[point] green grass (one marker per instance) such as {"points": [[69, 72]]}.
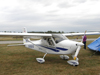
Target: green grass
{"points": [[22, 61]]}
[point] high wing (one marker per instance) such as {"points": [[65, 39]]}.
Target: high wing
{"points": [[26, 35], [77, 34], [32, 35]]}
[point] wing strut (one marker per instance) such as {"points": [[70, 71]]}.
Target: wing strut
{"points": [[31, 41]]}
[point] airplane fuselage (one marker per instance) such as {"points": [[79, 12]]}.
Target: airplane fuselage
{"points": [[63, 47]]}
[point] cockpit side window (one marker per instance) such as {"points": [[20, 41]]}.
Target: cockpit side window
{"points": [[58, 37]]}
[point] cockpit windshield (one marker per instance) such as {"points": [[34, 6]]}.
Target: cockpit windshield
{"points": [[58, 37]]}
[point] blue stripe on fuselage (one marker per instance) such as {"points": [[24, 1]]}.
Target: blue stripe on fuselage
{"points": [[56, 49], [63, 49]]}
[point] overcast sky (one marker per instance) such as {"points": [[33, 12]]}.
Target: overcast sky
{"points": [[55, 15]]}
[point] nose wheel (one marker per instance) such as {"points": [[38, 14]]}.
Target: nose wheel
{"points": [[73, 62]]}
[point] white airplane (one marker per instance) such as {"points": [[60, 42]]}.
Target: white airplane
{"points": [[52, 44]]}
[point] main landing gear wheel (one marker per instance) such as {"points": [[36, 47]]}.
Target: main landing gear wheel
{"points": [[41, 60]]}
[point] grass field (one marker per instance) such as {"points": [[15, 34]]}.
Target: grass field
{"points": [[19, 60]]}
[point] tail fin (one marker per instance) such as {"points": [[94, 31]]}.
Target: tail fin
{"points": [[25, 39], [24, 30]]}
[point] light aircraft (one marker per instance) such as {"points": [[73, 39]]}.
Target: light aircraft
{"points": [[52, 44]]}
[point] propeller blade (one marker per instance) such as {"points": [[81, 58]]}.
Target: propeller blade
{"points": [[85, 32]]}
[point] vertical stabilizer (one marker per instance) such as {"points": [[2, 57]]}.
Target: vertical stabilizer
{"points": [[25, 40], [24, 30]]}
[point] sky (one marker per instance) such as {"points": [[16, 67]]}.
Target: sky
{"points": [[45, 15]]}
